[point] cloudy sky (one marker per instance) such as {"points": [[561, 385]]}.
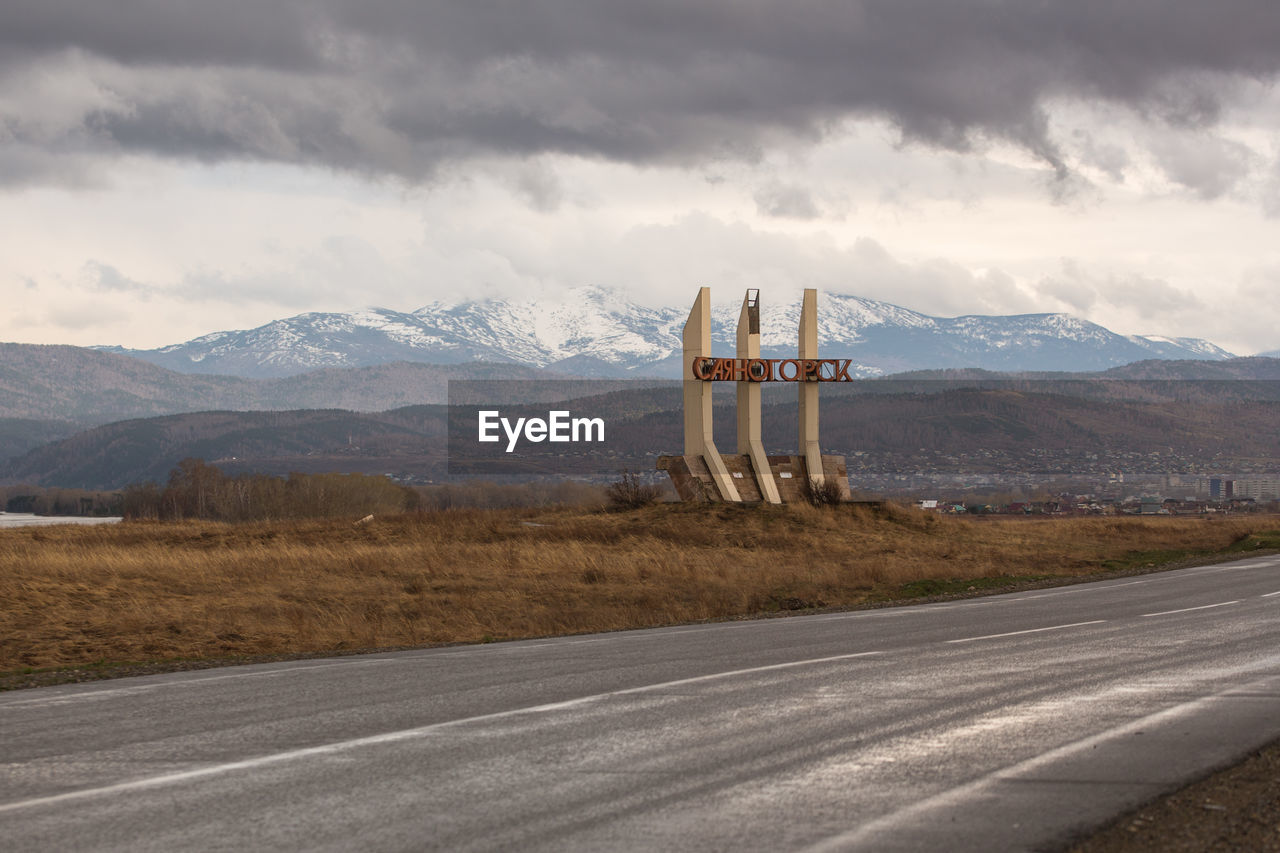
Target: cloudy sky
{"points": [[172, 167]]}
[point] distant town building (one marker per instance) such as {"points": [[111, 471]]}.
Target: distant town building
{"points": [[1259, 490]]}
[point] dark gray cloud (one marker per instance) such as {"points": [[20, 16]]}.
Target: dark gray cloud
{"points": [[397, 86], [177, 32], [27, 165]]}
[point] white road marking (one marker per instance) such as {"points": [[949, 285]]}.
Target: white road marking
{"points": [[1028, 631], [919, 811], [1234, 566], [1269, 594], [1090, 587], [1189, 609], [62, 699], [397, 736], [1043, 595], [1082, 587]]}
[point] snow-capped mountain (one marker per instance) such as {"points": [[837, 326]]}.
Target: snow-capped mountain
{"points": [[592, 332]]}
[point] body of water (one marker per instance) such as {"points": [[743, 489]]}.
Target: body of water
{"points": [[26, 519]]}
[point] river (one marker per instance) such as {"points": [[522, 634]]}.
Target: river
{"points": [[26, 519]]}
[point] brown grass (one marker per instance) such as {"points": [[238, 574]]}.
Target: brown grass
{"points": [[149, 591]]}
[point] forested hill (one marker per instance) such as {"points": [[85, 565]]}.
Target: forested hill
{"points": [[79, 385], [143, 449]]}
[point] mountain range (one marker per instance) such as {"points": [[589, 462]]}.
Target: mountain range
{"points": [[594, 333], [380, 361]]}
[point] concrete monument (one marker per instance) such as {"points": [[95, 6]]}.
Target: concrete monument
{"points": [[702, 472]]}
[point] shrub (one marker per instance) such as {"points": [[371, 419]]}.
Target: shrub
{"points": [[825, 493], [200, 491], [630, 493]]}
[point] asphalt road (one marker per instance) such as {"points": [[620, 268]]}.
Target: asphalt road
{"points": [[1010, 722]]}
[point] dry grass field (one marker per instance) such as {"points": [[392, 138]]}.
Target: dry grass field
{"points": [[145, 591]]}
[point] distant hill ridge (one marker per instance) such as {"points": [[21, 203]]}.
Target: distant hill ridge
{"points": [[593, 332], [52, 392], [88, 386], [1082, 418]]}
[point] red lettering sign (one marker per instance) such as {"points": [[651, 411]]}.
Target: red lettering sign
{"points": [[771, 369]]}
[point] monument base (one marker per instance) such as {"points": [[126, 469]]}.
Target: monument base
{"points": [[693, 481]]}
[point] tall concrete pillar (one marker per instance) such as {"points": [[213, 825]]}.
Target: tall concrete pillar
{"points": [[698, 440], [749, 439], [809, 447]]}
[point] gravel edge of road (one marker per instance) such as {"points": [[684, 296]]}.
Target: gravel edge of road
{"points": [[1232, 809]]}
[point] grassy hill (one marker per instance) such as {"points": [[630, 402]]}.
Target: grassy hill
{"points": [[114, 593]]}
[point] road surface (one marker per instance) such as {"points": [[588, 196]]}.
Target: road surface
{"points": [[1009, 722]]}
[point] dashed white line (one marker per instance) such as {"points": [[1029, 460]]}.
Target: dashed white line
{"points": [[1269, 594], [1028, 631], [1189, 609]]}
